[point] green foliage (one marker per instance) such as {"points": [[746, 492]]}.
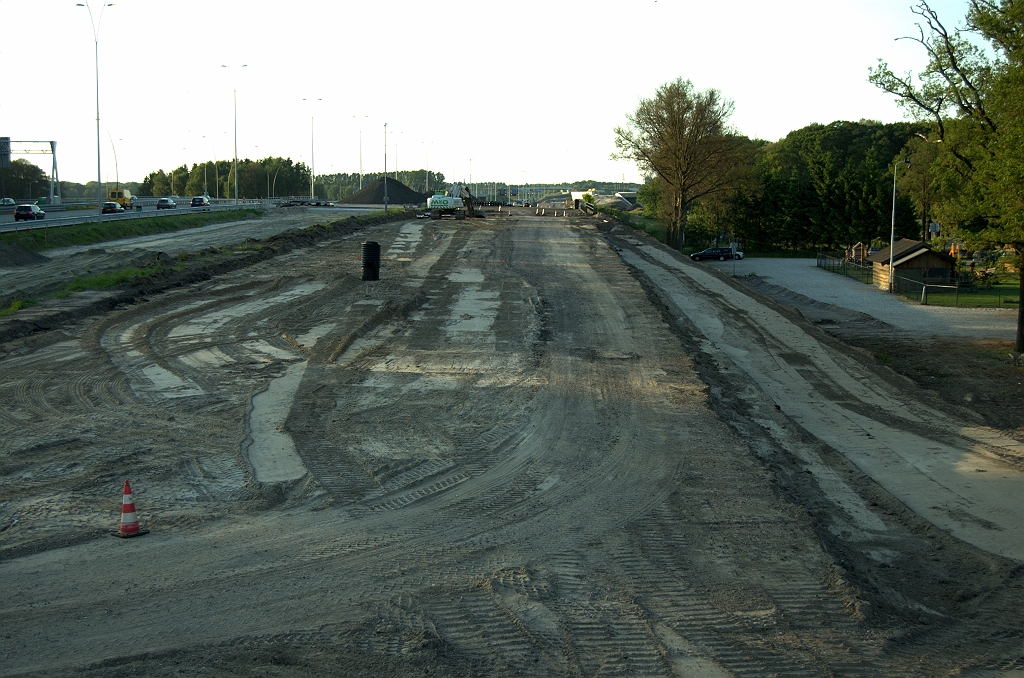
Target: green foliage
{"points": [[682, 136], [824, 186], [651, 197], [16, 306], [69, 190], [104, 281], [653, 227], [24, 180], [973, 99]]}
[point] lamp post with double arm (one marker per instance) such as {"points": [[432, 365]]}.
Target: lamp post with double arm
{"points": [[96, 42], [234, 99]]}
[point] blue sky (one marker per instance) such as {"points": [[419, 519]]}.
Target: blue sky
{"points": [[519, 92]]}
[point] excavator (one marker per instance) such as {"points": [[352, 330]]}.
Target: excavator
{"points": [[456, 202]]}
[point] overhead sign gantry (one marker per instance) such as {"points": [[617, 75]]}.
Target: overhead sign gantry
{"points": [[32, 148]]}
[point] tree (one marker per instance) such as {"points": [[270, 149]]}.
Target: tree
{"points": [[23, 179], [682, 137], [178, 180], [155, 184], [975, 104]]}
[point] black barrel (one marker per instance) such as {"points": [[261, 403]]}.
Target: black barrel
{"points": [[371, 261]]}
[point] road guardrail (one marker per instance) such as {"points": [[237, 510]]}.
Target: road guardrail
{"points": [[127, 215]]}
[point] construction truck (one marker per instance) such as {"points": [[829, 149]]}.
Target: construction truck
{"points": [[456, 202], [122, 196]]}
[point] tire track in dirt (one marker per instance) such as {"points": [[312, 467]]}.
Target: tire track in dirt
{"points": [[921, 469], [514, 470]]}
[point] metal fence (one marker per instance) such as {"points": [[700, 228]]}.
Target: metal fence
{"points": [[933, 291], [851, 268]]}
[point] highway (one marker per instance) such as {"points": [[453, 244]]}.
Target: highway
{"points": [[68, 217]]}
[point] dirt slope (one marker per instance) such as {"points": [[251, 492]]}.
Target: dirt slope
{"points": [[521, 452]]}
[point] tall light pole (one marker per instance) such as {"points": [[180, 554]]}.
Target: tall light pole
{"points": [[312, 156], [96, 41], [356, 118], [234, 98], [892, 232], [385, 168], [426, 177], [216, 168], [117, 173]]}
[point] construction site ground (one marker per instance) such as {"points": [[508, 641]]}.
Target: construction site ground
{"points": [[538, 445]]}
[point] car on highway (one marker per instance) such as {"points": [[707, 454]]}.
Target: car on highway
{"points": [[7, 202], [26, 212], [111, 208], [165, 204], [720, 253], [200, 201]]}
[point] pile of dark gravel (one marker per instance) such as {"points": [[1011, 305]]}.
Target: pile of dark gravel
{"points": [[398, 194], [12, 254]]}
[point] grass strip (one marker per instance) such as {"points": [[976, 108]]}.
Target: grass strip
{"points": [[16, 306], [102, 281]]}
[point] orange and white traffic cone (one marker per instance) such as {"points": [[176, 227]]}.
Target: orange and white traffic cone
{"points": [[129, 521]]}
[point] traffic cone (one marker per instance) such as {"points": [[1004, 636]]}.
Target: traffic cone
{"points": [[129, 521]]}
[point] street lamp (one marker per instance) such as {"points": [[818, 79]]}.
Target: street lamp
{"points": [[117, 173], [892, 232], [312, 156], [234, 98], [356, 117], [96, 41], [385, 168], [216, 169], [30, 184]]}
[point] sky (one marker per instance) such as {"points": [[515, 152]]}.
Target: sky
{"points": [[509, 91]]}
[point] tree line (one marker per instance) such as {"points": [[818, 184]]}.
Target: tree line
{"points": [[958, 163], [23, 180], [257, 179], [272, 177], [820, 187]]}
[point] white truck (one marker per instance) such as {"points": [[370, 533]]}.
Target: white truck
{"points": [[456, 202]]}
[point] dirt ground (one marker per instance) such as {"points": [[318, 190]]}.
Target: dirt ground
{"points": [[977, 377], [536, 446]]}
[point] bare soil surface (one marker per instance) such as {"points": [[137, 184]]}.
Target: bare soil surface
{"points": [[536, 446], [960, 356]]}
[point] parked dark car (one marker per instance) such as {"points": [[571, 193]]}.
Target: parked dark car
{"points": [[111, 208], [165, 204], [26, 212], [720, 253], [200, 201]]}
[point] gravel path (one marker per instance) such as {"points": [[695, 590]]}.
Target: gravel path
{"points": [[804, 277]]}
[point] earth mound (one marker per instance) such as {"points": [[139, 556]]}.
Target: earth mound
{"points": [[398, 194], [13, 254]]}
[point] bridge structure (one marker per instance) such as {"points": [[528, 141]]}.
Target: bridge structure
{"points": [[7, 148]]}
